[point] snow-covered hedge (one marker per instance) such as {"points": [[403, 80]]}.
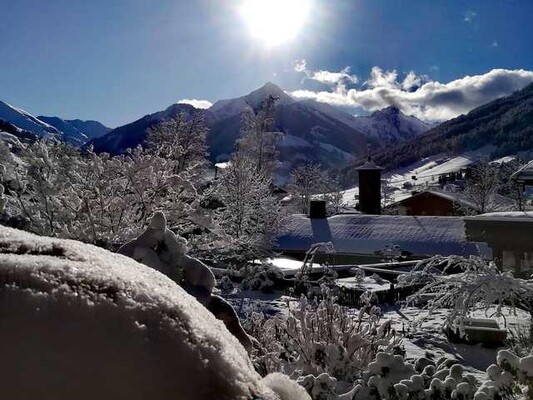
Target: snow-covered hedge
{"points": [[83, 323]]}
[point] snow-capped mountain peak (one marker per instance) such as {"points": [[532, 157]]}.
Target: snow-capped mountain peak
{"points": [[230, 107], [390, 125], [24, 120]]}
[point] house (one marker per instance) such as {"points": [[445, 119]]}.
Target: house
{"points": [[361, 238], [524, 175], [509, 235], [443, 203]]}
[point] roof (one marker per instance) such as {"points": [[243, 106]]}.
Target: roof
{"points": [[369, 165], [369, 234], [525, 173], [501, 202], [506, 216]]}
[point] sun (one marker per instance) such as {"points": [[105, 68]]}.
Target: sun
{"points": [[275, 22]]}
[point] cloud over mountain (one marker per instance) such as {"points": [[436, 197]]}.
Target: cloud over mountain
{"points": [[420, 96], [196, 103]]}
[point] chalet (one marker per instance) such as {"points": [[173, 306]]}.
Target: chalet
{"points": [[443, 203]]}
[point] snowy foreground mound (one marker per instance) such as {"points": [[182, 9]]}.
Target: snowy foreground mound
{"points": [[83, 323]]}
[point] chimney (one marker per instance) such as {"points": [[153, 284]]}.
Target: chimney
{"points": [[370, 187], [317, 209]]}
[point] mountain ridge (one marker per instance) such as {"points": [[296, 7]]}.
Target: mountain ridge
{"points": [[506, 123]]}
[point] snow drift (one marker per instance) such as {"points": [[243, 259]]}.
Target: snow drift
{"points": [[81, 322]]}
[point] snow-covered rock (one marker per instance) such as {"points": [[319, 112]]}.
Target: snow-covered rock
{"points": [[80, 322]]}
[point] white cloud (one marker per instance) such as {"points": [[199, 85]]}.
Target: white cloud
{"points": [[326, 77], [469, 16], [419, 96], [196, 103], [300, 65], [333, 78]]}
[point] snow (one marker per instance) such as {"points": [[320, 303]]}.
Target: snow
{"points": [[11, 140], [289, 140], [81, 322], [338, 153], [505, 215], [25, 120], [285, 264], [390, 125], [368, 234]]}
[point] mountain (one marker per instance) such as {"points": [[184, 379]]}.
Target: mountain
{"points": [[223, 109], [26, 121], [92, 129], [21, 123], [76, 129], [69, 133], [310, 134], [382, 127], [505, 124], [390, 125], [131, 135]]}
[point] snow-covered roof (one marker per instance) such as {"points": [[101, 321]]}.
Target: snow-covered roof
{"points": [[369, 165], [368, 234], [506, 215], [525, 173]]}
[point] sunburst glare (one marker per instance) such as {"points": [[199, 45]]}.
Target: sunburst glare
{"points": [[275, 22]]}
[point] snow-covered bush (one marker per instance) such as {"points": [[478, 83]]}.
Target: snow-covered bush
{"points": [[260, 277], [510, 378], [321, 337], [479, 285]]}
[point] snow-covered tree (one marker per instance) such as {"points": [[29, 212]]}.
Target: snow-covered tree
{"points": [[102, 199], [251, 214], [182, 140], [48, 197], [509, 186], [258, 140], [309, 180], [481, 188]]}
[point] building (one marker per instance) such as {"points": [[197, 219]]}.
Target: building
{"points": [[360, 238], [509, 235], [524, 175], [443, 203]]}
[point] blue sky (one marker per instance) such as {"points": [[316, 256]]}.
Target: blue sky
{"points": [[116, 60]]}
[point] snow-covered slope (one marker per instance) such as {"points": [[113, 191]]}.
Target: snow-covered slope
{"points": [[83, 323], [384, 126], [390, 125], [26, 121], [69, 133], [227, 108], [92, 129], [133, 134], [312, 133]]}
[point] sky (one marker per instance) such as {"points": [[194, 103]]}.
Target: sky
{"points": [[117, 60]]}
